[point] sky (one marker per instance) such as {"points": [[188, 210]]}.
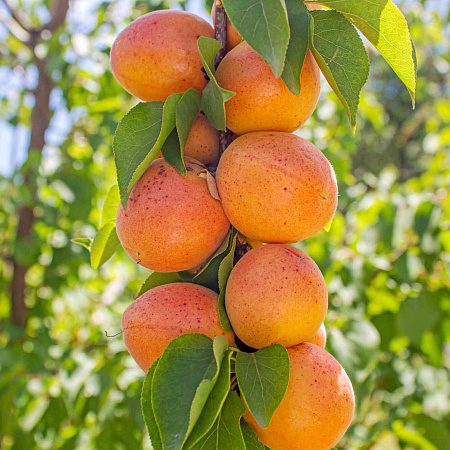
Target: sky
{"points": [[14, 140]]}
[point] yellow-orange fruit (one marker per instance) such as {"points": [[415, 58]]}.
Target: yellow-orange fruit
{"points": [[263, 102], [319, 338], [171, 223], [233, 36], [165, 312], [156, 55], [276, 187], [313, 7], [275, 294], [202, 143], [318, 406]]}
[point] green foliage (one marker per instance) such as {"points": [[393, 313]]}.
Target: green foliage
{"points": [[263, 378], [213, 96], [104, 245]]}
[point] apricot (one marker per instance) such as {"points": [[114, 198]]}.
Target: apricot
{"points": [[233, 36], [318, 406], [263, 102], [166, 312], [313, 7], [319, 338], [171, 223], [275, 294], [202, 143], [157, 55], [276, 187]]}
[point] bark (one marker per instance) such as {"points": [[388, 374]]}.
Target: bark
{"points": [[40, 120]]}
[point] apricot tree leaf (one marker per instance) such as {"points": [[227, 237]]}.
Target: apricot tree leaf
{"points": [[84, 242], [226, 431], [213, 96], [383, 24], [147, 408], [187, 110], [341, 56], [264, 25], [104, 245], [263, 378], [171, 151], [298, 44], [134, 144], [158, 279], [185, 376], [214, 403], [109, 210], [251, 438]]}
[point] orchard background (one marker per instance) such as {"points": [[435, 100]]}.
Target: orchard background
{"points": [[386, 258]]}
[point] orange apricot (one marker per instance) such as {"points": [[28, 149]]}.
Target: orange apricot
{"points": [[165, 312], [318, 406], [312, 7], [275, 294], [276, 187], [171, 223], [157, 55], [202, 143], [319, 338], [233, 36], [263, 102]]}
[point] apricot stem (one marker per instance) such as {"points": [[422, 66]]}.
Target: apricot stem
{"points": [[112, 335]]}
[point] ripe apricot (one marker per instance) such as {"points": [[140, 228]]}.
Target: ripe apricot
{"points": [[202, 143], [233, 36], [275, 294], [276, 187], [317, 408], [313, 7], [166, 312], [157, 55], [319, 338], [263, 102], [171, 223]]}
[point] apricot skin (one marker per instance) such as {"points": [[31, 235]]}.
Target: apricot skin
{"points": [[156, 55], [263, 102], [233, 36], [275, 294], [166, 312], [313, 7], [276, 187], [318, 406], [319, 338], [171, 223], [202, 143]]}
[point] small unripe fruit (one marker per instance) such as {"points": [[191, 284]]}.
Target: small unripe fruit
{"points": [[318, 406], [275, 294], [276, 187], [171, 223], [157, 55], [165, 312], [262, 101]]}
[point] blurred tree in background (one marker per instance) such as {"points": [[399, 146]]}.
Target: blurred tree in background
{"points": [[386, 259]]}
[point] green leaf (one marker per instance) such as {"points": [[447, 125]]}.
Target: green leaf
{"points": [[214, 403], [263, 378], [213, 96], [158, 279], [383, 24], [171, 151], [418, 315], [104, 245], [226, 432], [264, 25], [187, 110], [84, 242], [341, 56], [209, 276], [134, 144], [186, 374], [225, 269], [298, 44], [109, 210], [147, 408], [250, 437]]}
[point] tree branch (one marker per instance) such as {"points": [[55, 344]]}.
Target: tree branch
{"points": [[17, 16], [14, 28], [58, 15]]}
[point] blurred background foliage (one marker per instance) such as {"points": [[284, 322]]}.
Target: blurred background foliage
{"points": [[386, 259]]}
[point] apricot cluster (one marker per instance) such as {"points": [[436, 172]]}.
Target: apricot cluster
{"points": [[275, 188]]}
